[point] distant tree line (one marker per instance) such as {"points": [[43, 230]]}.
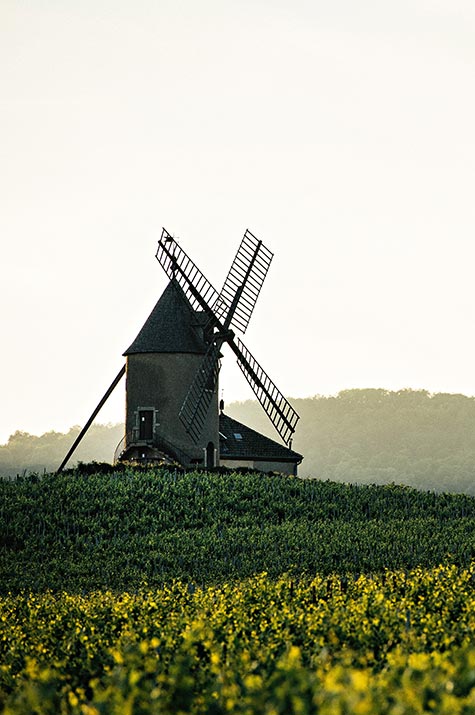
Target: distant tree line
{"points": [[365, 436], [27, 453], [377, 436]]}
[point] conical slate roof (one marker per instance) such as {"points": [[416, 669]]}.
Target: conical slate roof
{"points": [[171, 327]]}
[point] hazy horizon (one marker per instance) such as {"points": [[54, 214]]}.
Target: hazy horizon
{"points": [[268, 428], [340, 134]]}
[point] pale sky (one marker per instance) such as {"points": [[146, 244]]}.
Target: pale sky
{"points": [[340, 133]]}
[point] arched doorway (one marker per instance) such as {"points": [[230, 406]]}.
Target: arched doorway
{"points": [[210, 455]]}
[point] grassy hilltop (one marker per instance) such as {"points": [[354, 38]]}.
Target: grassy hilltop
{"points": [[79, 532]]}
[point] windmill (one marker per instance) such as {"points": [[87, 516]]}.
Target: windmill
{"points": [[173, 364]]}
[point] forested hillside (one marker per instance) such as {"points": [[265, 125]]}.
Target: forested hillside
{"points": [[27, 453], [363, 436], [377, 436]]}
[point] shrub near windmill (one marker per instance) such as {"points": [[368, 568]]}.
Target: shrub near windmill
{"points": [[172, 370]]}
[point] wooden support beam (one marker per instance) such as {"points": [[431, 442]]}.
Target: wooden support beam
{"points": [[114, 384]]}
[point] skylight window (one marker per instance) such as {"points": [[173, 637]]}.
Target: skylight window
{"points": [[237, 435]]}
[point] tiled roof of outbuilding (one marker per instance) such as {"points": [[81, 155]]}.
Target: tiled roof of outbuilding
{"points": [[250, 444], [171, 327]]}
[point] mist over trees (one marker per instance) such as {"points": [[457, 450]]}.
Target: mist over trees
{"points": [[377, 436], [26, 452], [362, 436]]}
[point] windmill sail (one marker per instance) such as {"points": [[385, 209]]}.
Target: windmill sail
{"points": [[277, 407], [195, 407], [179, 266], [232, 307], [243, 283]]}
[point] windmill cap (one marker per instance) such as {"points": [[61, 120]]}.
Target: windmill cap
{"points": [[172, 326]]}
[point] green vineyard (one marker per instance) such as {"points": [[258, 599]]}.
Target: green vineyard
{"points": [[119, 530], [162, 592]]}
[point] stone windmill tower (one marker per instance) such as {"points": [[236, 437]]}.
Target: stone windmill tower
{"points": [[161, 364], [173, 364]]}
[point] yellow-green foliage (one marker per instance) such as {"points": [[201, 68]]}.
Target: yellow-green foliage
{"points": [[398, 643]]}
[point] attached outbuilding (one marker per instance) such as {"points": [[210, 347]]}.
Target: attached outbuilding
{"points": [[242, 447]]}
